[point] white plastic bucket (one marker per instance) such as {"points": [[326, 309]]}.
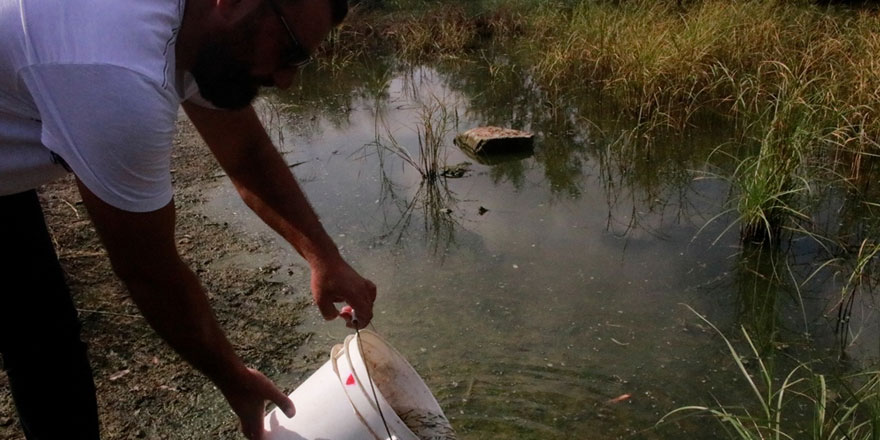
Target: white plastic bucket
{"points": [[337, 403]]}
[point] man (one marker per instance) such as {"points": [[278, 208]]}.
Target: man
{"points": [[93, 87]]}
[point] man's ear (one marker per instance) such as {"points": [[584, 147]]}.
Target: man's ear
{"points": [[232, 12]]}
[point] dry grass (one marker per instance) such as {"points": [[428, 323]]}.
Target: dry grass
{"points": [[801, 81]]}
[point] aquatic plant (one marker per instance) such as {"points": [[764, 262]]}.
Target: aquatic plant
{"points": [[805, 404], [760, 285], [435, 119], [435, 123]]}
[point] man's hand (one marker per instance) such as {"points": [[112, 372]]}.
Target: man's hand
{"points": [[248, 396], [340, 283]]}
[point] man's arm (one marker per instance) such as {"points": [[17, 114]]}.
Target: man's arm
{"points": [[143, 254], [244, 150]]}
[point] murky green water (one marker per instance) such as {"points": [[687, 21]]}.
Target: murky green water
{"points": [[531, 293]]}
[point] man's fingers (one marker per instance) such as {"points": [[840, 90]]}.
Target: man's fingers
{"points": [[360, 298], [276, 396], [273, 394], [363, 304], [363, 309], [328, 310], [285, 404]]}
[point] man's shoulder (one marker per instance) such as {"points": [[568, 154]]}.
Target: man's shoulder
{"points": [[138, 35]]}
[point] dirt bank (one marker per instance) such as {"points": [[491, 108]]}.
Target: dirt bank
{"points": [[144, 390]]}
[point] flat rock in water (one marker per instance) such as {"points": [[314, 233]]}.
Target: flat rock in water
{"points": [[495, 140]]}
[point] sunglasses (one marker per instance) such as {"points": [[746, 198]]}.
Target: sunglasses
{"points": [[296, 55]]}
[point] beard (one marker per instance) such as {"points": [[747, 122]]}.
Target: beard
{"points": [[223, 77]]}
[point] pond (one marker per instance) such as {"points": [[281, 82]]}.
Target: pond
{"points": [[552, 296]]}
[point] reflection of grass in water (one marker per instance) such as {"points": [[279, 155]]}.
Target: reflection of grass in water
{"points": [[643, 176], [859, 280], [765, 274], [760, 281], [435, 202], [271, 114], [805, 404]]}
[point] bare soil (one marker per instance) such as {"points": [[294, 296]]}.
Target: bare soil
{"points": [[145, 391]]}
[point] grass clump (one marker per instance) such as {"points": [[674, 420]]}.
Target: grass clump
{"points": [[436, 121], [802, 405], [798, 80], [418, 30], [665, 61], [788, 134]]}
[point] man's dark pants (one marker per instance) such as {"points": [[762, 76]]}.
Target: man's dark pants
{"points": [[42, 352]]}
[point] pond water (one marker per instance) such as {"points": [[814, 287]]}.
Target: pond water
{"points": [[547, 296]]}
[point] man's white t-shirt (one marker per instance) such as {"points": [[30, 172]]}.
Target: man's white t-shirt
{"points": [[91, 85]]}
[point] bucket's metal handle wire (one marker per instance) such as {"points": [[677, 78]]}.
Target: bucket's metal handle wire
{"points": [[357, 332]]}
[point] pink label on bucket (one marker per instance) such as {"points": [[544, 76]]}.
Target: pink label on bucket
{"points": [[350, 380]]}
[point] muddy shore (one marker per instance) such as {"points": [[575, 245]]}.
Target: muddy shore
{"points": [[145, 391]]}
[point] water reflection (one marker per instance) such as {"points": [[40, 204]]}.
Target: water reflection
{"points": [[503, 95], [760, 280], [436, 205], [533, 292], [495, 92]]}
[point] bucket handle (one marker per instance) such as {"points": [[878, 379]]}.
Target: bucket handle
{"points": [[354, 339], [335, 353]]}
